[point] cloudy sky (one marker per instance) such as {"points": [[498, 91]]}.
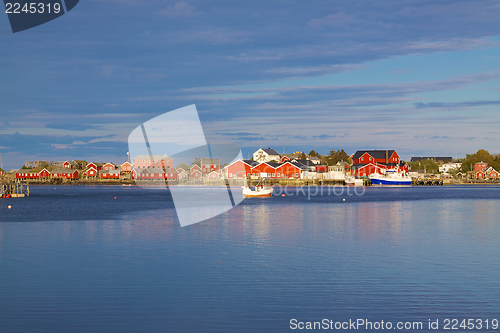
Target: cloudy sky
{"points": [[421, 77]]}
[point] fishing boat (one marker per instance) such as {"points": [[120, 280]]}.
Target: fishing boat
{"points": [[259, 190], [353, 181], [390, 178]]}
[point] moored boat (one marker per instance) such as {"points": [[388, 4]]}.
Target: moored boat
{"points": [[390, 178], [353, 181], [260, 190]]}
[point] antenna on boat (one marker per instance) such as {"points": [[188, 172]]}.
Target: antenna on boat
{"points": [[1, 165]]}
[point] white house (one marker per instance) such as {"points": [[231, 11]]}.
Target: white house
{"points": [[447, 167], [266, 155]]}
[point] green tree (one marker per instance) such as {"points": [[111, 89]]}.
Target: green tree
{"points": [[183, 165], [313, 153], [481, 155], [430, 166], [197, 161], [337, 156], [302, 156]]}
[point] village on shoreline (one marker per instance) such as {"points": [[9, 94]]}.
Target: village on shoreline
{"points": [[297, 168]]}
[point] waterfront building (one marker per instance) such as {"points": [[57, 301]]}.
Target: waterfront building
{"points": [[366, 162], [154, 161], [447, 167], [239, 169], [126, 168], [289, 157], [109, 166], [210, 164], [91, 171], [480, 166], [109, 174], [64, 173], [213, 175], [266, 155], [154, 174]]}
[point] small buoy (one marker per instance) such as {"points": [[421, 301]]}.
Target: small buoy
{"points": [[115, 197], [283, 195], [343, 199], [9, 206]]}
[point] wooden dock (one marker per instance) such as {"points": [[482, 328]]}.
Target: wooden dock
{"points": [[14, 190]]}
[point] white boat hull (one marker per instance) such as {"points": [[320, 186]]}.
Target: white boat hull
{"points": [[257, 192], [390, 179]]}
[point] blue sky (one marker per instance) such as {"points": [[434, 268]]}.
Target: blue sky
{"points": [[421, 77]]}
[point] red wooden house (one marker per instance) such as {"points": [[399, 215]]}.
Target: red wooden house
{"points": [[240, 169], [126, 168], [491, 173], [195, 173], [290, 170], [32, 174], [44, 174], [480, 166], [90, 172], [95, 165], [65, 173], [154, 161], [154, 174], [210, 164], [213, 175], [69, 165], [479, 174], [27, 174], [109, 174], [265, 170], [109, 166], [181, 173], [366, 162]]}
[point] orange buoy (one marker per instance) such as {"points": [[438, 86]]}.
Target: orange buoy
{"points": [[115, 197], [283, 195]]}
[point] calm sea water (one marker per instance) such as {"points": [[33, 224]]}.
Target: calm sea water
{"points": [[75, 259]]}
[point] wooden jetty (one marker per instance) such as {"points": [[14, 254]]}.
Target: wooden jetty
{"points": [[427, 181], [14, 190]]}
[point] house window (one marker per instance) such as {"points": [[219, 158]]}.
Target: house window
{"points": [[278, 174], [230, 175], [273, 174]]}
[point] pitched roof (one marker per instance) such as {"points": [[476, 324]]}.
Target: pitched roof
{"points": [[298, 165], [210, 161], [251, 163], [273, 164], [435, 158], [305, 162], [270, 151], [373, 153], [291, 156]]}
